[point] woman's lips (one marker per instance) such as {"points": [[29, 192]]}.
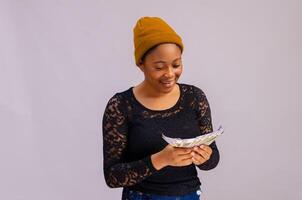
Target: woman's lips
{"points": [[167, 83]]}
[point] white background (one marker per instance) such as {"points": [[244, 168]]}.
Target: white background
{"points": [[61, 61]]}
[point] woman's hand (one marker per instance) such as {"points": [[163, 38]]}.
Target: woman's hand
{"points": [[201, 154], [172, 156]]}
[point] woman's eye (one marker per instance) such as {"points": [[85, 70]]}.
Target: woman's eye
{"points": [[175, 66]]}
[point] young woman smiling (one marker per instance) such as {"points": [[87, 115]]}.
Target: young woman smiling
{"points": [[135, 155]]}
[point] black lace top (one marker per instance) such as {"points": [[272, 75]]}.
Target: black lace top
{"points": [[132, 133]]}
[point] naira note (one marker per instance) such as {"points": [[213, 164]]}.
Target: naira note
{"points": [[191, 142]]}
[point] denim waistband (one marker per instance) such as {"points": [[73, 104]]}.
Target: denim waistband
{"points": [[136, 195]]}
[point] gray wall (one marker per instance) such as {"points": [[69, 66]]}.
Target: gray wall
{"points": [[62, 60]]}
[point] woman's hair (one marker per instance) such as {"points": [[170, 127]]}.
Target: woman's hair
{"points": [[152, 49]]}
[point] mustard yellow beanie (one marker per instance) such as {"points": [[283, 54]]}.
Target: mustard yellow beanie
{"points": [[151, 31]]}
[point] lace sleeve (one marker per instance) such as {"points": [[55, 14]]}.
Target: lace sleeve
{"points": [[117, 172], [204, 118]]}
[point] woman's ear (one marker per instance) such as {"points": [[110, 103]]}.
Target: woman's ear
{"points": [[141, 65]]}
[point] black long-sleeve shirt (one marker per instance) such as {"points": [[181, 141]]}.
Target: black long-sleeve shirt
{"points": [[132, 133]]}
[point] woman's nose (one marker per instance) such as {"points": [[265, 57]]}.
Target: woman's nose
{"points": [[169, 72]]}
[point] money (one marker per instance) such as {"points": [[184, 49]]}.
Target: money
{"points": [[206, 139]]}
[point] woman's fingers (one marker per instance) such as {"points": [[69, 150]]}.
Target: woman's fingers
{"points": [[185, 156], [197, 162], [204, 152], [207, 148], [203, 148], [197, 159], [182, 151]]}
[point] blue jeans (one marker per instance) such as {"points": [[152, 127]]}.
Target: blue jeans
{"points": [[136, 195]]}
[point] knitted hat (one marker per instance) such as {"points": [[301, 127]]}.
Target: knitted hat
{"points": [[151, 31]]}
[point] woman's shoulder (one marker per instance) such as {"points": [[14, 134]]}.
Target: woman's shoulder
{"points": [[195, 95], [120, 97], [191, 89]]}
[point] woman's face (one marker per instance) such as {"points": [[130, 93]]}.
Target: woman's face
{"points": [[162, 67]]}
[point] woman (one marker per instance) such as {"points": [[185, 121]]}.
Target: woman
{"points": [[135, 155]]}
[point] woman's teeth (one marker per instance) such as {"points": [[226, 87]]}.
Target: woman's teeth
{"points": [[167, 83]]}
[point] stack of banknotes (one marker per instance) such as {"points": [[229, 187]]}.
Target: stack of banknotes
{"points": [[206, 139]]}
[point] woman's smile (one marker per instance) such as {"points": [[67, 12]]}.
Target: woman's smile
{"points": [[167, 84]]}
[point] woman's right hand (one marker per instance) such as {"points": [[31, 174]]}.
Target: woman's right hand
{"points": [[172, 156]]}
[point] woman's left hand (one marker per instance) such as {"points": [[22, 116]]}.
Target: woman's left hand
{"points": [[201, 154]]}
